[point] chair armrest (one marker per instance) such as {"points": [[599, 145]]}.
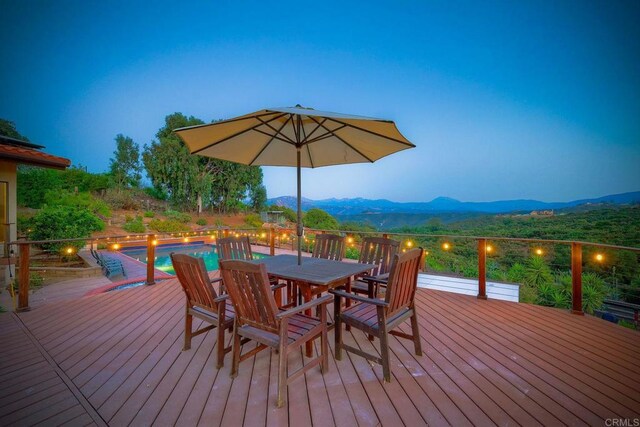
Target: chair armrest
{"points": [[278, 286], [307, 305], [355, 297], [221, 298], [374, 279]]}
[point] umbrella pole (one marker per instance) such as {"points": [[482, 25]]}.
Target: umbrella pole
{"points": [[299, 227]]}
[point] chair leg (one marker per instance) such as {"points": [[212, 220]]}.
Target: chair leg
{"points": [[337, 327], [282, 365], [188, 323], [236, 351], [384, 344], [416, 333], [384, 353], [220, 345], [324, 345]]}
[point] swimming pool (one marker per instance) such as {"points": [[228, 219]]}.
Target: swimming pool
{"points": [[163, 260]]}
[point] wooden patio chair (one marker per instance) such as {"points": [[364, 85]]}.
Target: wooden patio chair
{"points": [[329, 246], [258, 318], [235, 248], [379, 251], [379, 317], [202, 302]]}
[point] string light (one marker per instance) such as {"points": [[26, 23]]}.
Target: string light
{"points": [[186, 240], [446, 246], [599, 257], [539, 251], [69, 250], [116, 246], [154, 242], [409, 243], [263, 235], [489, 248], [349, 240]]}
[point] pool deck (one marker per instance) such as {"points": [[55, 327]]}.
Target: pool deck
{"points": [[116, 359]]}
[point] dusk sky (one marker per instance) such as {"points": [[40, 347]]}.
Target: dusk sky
{"points": [[504, 100]]}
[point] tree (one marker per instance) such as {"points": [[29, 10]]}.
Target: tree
{"points": [[196, 182], [8, 128], [258, 195], [125, 165], [319, 219], [172, 168]]}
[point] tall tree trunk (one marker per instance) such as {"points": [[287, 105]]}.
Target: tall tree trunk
{"points": [[199, 202]]}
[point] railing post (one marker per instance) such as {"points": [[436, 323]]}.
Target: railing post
{"points": [[151, 257], [23, 278], [482, 268], [576, 278], [272, 242]]}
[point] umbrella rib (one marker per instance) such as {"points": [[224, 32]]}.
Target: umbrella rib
{"points": [[324, 119], [305, 136], [277, 131], [234, 135], [325, 135], [372, 132], [274, 136], [270, 141], [346, 143]]}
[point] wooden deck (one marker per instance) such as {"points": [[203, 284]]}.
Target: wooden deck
{"points": [[116, 358]]}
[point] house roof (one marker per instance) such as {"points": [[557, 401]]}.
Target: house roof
{"points": [[27, 153]]}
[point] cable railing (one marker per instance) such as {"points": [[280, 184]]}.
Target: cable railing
{"points": [[478, 257]]}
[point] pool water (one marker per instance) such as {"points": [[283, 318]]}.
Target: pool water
{"points": [[163, 260]]}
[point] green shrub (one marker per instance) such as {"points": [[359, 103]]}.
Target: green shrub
{"points": [[516, 273], [352, 253], [528, 294], [64, 222], [36, 281], [128, 218], [545, 291], [149, 214], [168, 226], [156, 193], [120, 198], [201, 221], [253, 220], [77, 200], [319, 219], [537, 272], [594, 291], [135, 225], [177, 216]]}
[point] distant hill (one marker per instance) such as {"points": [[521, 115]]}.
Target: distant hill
{"points": [[359, 206]]}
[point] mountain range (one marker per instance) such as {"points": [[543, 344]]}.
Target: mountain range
{"points": [[360, 206]]}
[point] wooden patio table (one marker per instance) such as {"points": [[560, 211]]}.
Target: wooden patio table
{"points": [[321, 274]]}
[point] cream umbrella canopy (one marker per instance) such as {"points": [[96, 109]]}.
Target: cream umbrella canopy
{"points": [[296, 136]]}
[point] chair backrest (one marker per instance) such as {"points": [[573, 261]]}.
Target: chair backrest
{"points": [[328, 246], [378, 251], [403, 280], [248, 287], [193, 277], [235, 248]]}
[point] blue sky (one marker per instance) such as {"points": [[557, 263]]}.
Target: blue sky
{"points": [[504, 100]]}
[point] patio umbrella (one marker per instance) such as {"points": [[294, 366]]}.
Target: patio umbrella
{"points": [[297, 136]]}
